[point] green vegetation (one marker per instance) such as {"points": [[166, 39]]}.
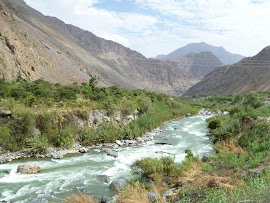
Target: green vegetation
{"points": [[242, 142], [43, 113]]}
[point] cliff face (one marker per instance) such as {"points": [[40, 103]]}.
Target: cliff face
{"points": [[198, 65], [250, 74], [47, 48]]}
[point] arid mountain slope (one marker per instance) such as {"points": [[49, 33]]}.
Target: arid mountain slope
{"points": [[198, 65], [250, 74], [64, 53], [224, 56]]}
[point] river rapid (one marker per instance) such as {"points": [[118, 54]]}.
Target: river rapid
{"points": [[61, 178]]}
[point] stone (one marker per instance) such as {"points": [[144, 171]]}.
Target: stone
{"points": [[188, 115], [180, 184], [137, 170], [168, 193], [80, 189], [55, 156], [112, 153], [169, 179], [29, 168], [140, 140], [104, 178], [5, 113], [205, 158], [113, 199], [152, 196], [118, 142], [118, 184], [83, 150]]}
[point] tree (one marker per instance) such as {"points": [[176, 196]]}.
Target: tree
{"points": [[93, 82]]}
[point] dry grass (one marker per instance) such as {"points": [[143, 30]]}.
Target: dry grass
{"points": [[229, 147], [82, 198], [134, 193], [200, 179]]}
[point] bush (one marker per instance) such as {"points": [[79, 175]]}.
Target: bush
{"points": [[7, 141], [153, 167], [129, 108], [221, 136], [214, 124], [37, 144], [65, 137], [144, 103]]}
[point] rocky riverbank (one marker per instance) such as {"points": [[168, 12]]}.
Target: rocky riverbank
{"points": [[107, 148]]}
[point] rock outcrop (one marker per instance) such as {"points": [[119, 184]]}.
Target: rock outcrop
{"points": [[29, 168]]}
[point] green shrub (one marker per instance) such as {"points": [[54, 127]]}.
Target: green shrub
{"points": [[214, 124], [155, 166], [128, 108], [65, 138], [37, 144], [221, 136], [7, 141], [144, 103]]}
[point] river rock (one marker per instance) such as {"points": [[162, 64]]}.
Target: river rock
{"points": [[80, 189], [104, 178], [140, 140], [137, 170], [152, 196], [118, 184], [113, 199], [118, 142], [55, 155], [112, 153], [188, 115], [29, 168], [130, 143], [83, 150]]}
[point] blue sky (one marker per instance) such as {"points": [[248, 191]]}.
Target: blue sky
{"points": [[154, 27]]}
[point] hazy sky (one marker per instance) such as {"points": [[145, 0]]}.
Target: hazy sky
{"points": [[155, 27]]}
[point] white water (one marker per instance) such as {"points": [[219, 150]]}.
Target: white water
{"points": [[60, 178]]}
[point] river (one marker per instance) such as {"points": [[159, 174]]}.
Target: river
{"points": [[60, 178]]}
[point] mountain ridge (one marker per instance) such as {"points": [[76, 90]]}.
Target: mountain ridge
{"points": [[250, 74], [76, 55]]}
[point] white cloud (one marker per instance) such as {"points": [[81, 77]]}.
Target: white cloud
{"points": [[241, 26]]}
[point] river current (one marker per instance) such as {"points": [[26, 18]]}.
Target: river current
{"points": [[61, 178]]}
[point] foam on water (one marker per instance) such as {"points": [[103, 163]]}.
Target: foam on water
{"points": [[59, 177]]}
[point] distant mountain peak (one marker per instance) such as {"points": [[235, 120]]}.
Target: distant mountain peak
{"points": [[224, 56]]}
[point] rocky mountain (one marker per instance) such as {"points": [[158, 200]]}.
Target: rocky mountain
{"points": [[224, 56], [44, 47], [250, 74], [198, 65]]}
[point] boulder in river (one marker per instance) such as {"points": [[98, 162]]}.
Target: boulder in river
{"points": [[111, 153], [118, 184], [29, 168], [104, 178]]}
